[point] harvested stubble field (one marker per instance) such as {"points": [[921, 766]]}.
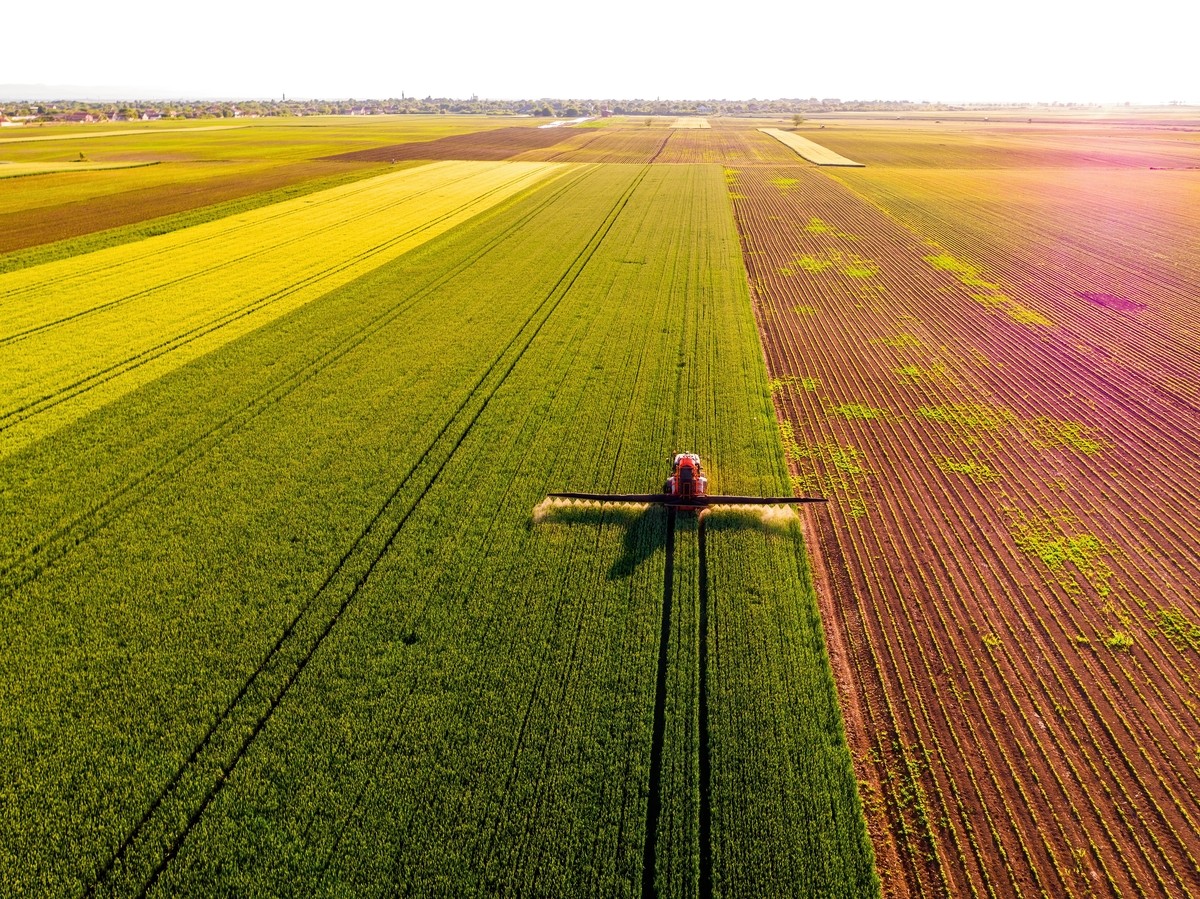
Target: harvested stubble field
{"points": [[292, 619], [810, 150]]}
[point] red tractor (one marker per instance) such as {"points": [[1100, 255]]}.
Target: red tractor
{"points": [[687, 481]]}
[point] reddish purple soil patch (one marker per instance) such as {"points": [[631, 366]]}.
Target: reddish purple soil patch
{"points": [[1109, 301]]}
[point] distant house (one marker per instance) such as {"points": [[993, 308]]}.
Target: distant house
{"points": [[151, 115], [606, 113], [77, 117]]}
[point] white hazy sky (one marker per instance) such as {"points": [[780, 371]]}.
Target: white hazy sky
{"points": [[1022, 50]]}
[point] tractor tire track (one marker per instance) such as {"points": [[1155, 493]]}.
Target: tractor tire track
{"points": [[661, 147], [705, 891], [654, 797], [149, 847]]}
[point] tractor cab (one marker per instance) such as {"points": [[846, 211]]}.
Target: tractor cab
{"points": [[687, 479]]}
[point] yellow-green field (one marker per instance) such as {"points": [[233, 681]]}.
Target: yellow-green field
{"points": [[79, 332], [17, 169]]}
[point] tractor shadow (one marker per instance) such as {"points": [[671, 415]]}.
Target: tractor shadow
{"points": [[645, 528]]}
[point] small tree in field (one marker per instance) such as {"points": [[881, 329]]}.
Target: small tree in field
{"points": [[797, 120]]}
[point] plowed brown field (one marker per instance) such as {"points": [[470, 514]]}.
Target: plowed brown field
{"points": [[993, 372], [478, 146]]}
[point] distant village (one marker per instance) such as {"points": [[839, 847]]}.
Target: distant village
{"points": [[129, 111]]}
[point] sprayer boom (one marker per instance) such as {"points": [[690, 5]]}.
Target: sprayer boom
{"points": [[695, 502], [687, 488]]}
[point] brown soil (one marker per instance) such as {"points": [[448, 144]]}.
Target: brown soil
{"points": [[1004, 500], [496, 145]]}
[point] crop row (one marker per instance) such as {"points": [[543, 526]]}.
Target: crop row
{"points": [[1137, 307], [725, 143], [138, 220], [79, 332], [997, 553], [614, 367], [624, 143]]}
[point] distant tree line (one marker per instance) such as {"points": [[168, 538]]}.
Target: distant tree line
{"points": [[545, 106]]}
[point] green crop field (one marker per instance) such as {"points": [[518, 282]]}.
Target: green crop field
{"points": [[284, 612]]}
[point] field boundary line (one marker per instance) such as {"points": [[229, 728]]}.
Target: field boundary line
{"points": [[144, 132], [259, 215], [811, 150], [845, 679]]}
